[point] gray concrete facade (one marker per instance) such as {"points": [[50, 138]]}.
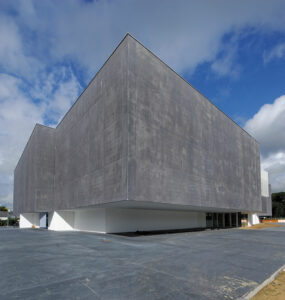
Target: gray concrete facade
{"points": [[183, 149], [139, 133], [34, 173]]}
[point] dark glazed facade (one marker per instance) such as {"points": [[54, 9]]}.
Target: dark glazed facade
{"points": [[139, 132]]}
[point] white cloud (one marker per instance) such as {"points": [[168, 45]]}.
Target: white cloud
{"points": [[226, 64], [277, 52], [12, 55], [268, 127], [275, 164], [63, 97], [57, 90], [18, 115], [17, 119], [183, 33]]}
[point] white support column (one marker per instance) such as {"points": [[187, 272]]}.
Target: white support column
{"points": [[253, 219], [61, 220]]}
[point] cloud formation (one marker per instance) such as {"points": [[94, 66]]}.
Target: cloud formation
{"points": [[183, 33], [268, 127], [276, 52], [275, 164], [19, 112], [17, 118]]}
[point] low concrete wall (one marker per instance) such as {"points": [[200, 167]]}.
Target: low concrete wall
{"points": [[130, 220], [90, 220], [108, 220], [61, 220], [28, 220]]}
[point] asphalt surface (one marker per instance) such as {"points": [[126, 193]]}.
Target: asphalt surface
{"points": [[220, 264]]}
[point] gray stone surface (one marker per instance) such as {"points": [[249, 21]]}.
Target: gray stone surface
{"points": [[183, 149], [90, 157], [89, 153], [221, 264], [34, 174], [140, 132]]}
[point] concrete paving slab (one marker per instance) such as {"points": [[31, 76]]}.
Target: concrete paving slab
{"points": [[220, 264]]}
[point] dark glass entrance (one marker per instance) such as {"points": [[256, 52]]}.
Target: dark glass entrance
{"points": [[227, 220], [43, 220], [223, 220]]}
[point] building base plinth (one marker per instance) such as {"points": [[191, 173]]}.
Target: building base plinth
{"points": [[118, 220]]}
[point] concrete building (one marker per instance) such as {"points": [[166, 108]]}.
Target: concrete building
{"points": [[140, 150]]}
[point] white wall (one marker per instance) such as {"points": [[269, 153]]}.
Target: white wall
{"points": [[61, 220], [110, 220], [253, 219], [127, 220], [124, 220], [90, 220], [264, 183], [28, 220]]}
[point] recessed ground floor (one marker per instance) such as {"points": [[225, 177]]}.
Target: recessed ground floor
{"points": [[120, 219], [208, 265]]}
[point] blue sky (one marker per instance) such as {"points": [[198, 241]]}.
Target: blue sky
{"points": [[256, 81], [233, 51]]}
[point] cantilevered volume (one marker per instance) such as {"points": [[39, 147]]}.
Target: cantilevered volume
{"points": [[140, 149]]}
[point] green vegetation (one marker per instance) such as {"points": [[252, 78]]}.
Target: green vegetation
{"points": [[12, 221], [278, 205], [3, 223]]}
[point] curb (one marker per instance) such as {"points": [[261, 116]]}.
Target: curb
{"points": [[249, 295]]}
